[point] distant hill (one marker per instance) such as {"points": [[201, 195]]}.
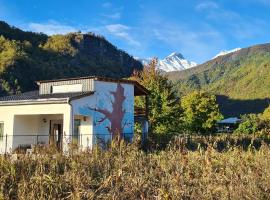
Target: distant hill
{"points": [[26, 57], [241, 79]]}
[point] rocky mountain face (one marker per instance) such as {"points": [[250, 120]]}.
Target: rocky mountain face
{"points": [[240, 79], [173, 62], [26, 57]]}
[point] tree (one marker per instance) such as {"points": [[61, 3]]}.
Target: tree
{"points": [[249, 125], [164, 107], [266, 114], [201, 112]]}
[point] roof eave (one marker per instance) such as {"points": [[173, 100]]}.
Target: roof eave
{"points": [[80, 96], [32, 101]]}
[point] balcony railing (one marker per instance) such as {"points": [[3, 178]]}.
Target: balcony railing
{"points": [[11, 143], [140, 112]]}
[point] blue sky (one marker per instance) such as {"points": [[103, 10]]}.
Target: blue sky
{"points": [[145, 28]]}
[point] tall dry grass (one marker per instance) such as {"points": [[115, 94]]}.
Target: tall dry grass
{"points": [[125, 172]]}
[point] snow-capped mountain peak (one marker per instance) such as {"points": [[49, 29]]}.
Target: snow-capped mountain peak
{"points": [[222, 53], [174, 62], [176, 54]]}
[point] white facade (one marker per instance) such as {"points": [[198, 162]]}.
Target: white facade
{"points": [[23, 123], [86, 119]]}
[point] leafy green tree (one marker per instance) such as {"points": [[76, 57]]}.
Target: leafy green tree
{"points": [[164, 107], [249, 125], [201, 112], [61, 44], [266, 114]]}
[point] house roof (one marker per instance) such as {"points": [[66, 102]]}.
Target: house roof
{"points": [[35, 97], [138, 89], [231, 120]]}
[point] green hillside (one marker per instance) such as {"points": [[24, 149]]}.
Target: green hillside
{"points": [[26, 57], [241, 80]]}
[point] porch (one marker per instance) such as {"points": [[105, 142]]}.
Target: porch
{"points": [[141, 116], [47, 130]]}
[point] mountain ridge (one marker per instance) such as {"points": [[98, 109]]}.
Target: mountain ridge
{"points": [[41, 57], [237, 77], [225, 52]]}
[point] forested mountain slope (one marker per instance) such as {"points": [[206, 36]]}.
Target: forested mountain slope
{"points": [[240, 79], [26, 57]]}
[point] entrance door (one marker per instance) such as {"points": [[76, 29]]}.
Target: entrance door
{"points": [[56, 134]]}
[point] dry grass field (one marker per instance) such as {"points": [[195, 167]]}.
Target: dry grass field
{"points": [[126, 172]]}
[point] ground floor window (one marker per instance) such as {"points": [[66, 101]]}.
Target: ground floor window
{"points": [[75, 136], [1, 131]]}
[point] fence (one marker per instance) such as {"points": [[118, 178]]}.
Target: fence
{"points": [[11, 143]]}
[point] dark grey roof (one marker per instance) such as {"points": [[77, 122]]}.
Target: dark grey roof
{"points": [[34, 95]]}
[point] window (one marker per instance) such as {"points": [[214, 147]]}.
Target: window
{"points": [[75, 138], [1, 131], [66, 88]]}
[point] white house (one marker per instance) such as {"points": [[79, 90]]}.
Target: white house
{"points": [[83, 110]]}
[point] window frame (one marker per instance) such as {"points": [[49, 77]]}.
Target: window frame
{"points": [[2, 125], [76, 128]]}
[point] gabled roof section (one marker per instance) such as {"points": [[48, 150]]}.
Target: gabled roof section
{"points": [[139, 90], [34, 97]]}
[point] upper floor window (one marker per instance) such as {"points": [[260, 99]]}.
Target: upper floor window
{"points": [[67, 88]]}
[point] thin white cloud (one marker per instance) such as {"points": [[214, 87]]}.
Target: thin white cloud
{"points": [[160, 34], [120, 32], [236, 25], [106, 5], [206, 5], [123, 32], [50, 28], [243, 30], [115, 16], [264, 2], [4, 13], [192, 43]]}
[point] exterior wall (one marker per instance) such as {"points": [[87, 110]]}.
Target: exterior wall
{"points": [[110, 110], [25, 130], [108, 113], [109, 97], [25, 118], [7, 118], [85, 132], [31, 129], [80, 110], [87, 85]]}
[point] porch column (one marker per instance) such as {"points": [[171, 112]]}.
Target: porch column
{"points": [[67, 128]]}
